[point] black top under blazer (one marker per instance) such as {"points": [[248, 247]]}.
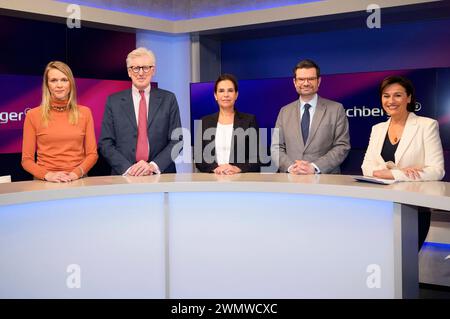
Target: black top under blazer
{"points": [[208, 163]]}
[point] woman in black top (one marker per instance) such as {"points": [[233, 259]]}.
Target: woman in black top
{"points": [[229, 138]]}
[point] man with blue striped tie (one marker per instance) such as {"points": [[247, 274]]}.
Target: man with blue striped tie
{"points": [[311, 134]]}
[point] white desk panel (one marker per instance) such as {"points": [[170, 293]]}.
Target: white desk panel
{"points": [[259, 245], [117, 242], [207, 236]]}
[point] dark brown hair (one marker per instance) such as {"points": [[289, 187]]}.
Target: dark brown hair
{"points": [[229, 77], [307, 64], [406, 84]]}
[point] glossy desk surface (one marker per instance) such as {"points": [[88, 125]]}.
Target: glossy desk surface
{"points": [[427, 194]]}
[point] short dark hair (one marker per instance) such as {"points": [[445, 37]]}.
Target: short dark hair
{"points": [[406, 84], [307, 64], [229, 77]]}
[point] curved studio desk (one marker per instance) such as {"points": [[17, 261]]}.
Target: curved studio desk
{"points": [[207, 236]]}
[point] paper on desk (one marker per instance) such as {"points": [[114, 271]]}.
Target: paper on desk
{"points": [[375, 180]]}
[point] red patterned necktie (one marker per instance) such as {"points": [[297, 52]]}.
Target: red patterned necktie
{"points": [[142, 140]]}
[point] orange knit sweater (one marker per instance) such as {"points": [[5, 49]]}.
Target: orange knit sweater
{"points": [[60, 146]]}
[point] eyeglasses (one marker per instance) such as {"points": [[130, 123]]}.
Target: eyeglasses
{"points": [[302, 80], [145, 68]]}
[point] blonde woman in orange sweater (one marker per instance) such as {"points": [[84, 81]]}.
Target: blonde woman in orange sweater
{"points": [[59, 131]]}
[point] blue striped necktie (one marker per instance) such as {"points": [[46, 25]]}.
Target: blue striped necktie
{"points": [[305, 123]]}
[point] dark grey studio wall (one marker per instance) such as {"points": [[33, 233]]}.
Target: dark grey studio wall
{"points": [[29, 44], [405, 45]]}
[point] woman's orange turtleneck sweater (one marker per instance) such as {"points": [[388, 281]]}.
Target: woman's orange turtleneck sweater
{"points": [[60, 146]]}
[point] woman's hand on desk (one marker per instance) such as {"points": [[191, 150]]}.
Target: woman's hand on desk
{"points": [[73, 176], [383, 173], [227, 169], [412, 172], [58, 177]]}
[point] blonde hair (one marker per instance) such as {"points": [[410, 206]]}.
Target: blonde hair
{"points": [[138, 53], [46, 96]]}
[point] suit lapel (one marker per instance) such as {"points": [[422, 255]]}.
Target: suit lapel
{"points": [[409, 132], [237, 122], [212, 123], [154, 105], [294, 121], [380, 139], [128, 108], [317, 118]]}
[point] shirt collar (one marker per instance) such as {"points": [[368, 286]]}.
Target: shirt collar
{"points": [[136, 91], [313, 102]]}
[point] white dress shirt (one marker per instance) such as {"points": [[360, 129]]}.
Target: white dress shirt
{"points": [[136, 101], [224, 134], [312, 110]]}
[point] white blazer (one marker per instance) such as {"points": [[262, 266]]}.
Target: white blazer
{"points": [[419, 146]]}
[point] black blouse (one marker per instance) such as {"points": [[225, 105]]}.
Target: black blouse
{"points": [[388, 150]]}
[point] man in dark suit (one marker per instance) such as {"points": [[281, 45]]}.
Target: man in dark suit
{"points": [[311, 134], [138, 123]]}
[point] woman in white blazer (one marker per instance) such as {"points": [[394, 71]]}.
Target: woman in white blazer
{"points": [[406, 147]]}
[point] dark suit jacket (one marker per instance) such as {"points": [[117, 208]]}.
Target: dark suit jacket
{"points": [[119, 131], [244, 149]]}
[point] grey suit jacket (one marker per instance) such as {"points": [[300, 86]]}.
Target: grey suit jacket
{"points": [[119, 131], [328, 142]]}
